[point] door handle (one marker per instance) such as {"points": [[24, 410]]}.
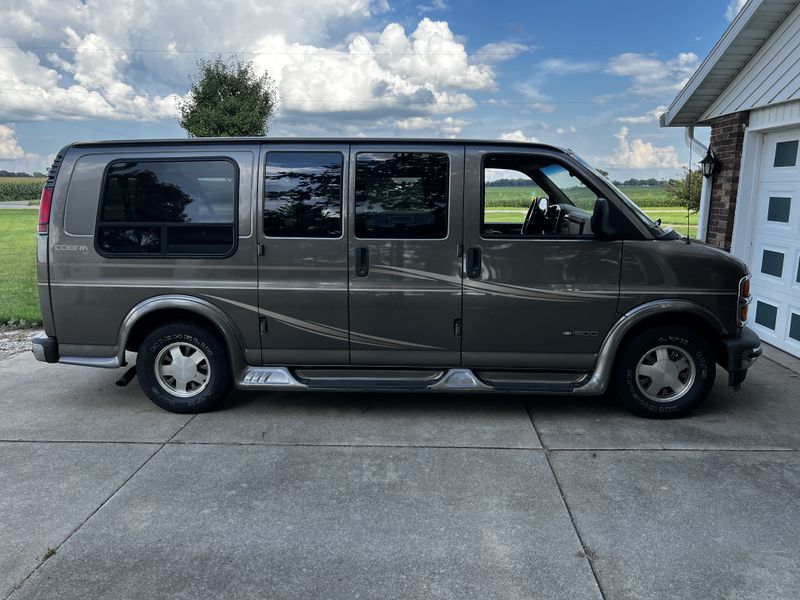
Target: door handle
{"points": [[473, 263], [362, 262]]}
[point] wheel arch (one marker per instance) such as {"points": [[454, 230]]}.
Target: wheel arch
{"points": [[158, 310], [644, 316]]}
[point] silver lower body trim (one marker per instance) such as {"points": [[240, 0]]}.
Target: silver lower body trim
{"points": [[452, 380], [111, 362]]}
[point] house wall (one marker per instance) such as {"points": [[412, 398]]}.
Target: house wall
{"points": [[727, 139], [770, 77]]}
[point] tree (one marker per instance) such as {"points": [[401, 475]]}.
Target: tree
{"points": [[228, 99], [686, 191], [602, 172]]}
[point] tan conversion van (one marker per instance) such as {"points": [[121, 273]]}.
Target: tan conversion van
{"points": [[336, 264]]}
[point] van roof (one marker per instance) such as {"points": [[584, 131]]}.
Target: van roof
{"points": [[320, 140]]}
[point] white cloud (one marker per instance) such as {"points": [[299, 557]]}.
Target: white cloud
{"points": [[638, 154], [517, 136], [449, 126], [733, 9], [433, 6], [544, 107], [533, 87], [425, 72], [500, 51], [652, 76], [415, 123], [9, 147], [650, 116], [90, 73], [14, 158], [562, 66]]}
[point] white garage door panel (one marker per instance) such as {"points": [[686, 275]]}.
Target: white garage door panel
{"points": [[775, 258]]}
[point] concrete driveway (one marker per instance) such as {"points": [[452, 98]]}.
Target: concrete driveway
{"points": [[365, 496]]}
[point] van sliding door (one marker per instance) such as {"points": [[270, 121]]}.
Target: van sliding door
{"points": [[302, 266], [405, 231]]}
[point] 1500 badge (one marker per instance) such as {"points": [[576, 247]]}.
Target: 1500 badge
{"points": [[580, 333]]}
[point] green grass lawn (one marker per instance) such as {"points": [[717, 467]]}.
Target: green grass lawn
{"points": [[670, 217], [520, 197], [19, 301]]}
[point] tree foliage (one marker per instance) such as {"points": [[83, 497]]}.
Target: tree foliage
{"points": [[686, 191], [228, 99]]}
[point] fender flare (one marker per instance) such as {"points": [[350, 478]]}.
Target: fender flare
{"points": [[232, 336], [601, 376]]}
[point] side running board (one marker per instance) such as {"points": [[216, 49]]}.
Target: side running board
{"points": [[452, 380]]}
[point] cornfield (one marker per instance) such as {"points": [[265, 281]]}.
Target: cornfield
{"points": [[21, 189]]}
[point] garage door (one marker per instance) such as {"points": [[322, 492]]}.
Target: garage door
{"points": [[775, 259]]}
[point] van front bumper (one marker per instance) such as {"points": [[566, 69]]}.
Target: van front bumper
{"points": [[45, 348], [742, 351]]}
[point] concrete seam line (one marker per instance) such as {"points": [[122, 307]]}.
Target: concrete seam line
{"points": [[396, 446], [586, 554], [18, 586], [332, 445]]}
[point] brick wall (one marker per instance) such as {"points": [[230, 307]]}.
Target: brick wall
{"points": [[727, 137]]}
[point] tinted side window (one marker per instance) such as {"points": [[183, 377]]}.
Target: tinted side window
{"points": [[303, 194], [401, 195], [168, 207]]}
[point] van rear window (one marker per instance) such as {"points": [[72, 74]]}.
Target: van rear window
{"points": [[401, 195], [303, 194], [168, 207]]}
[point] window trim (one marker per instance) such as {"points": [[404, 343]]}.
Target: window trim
{"points": [[393, 239], [234, 224], [530, 237], [263, 198]]}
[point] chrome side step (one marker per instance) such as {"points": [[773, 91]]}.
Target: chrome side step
{"points": [[458, 380], [270, 378], [452, 380]]}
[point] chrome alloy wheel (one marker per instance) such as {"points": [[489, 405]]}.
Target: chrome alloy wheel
{"points": [[182, 369], [665, 373]]}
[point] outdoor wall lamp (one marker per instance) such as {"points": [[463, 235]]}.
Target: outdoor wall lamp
{"points": [[709, 164]]}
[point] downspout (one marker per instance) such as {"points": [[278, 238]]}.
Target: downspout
{"points": [[705, 190]]}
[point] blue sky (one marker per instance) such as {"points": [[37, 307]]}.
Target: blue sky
{"points": [[589, 75]]}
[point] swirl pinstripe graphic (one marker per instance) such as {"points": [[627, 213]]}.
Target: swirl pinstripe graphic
{"points": [[329, 331], [547, 295]]}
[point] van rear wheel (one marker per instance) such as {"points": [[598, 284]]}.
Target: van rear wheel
{"points": [[664, 372], [184, 368]]}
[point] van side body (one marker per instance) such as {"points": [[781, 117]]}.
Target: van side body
{"points": [[376, 265]]}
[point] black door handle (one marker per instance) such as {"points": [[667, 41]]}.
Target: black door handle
{"points": [[473, 263], [362, 262]]}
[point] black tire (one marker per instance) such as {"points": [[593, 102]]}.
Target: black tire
{"points": [[653, 397], [213, 368]]}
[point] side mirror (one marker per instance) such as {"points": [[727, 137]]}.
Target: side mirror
{"points": [[601, 220]]}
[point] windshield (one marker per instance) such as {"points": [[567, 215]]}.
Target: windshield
{"points": [[653, 226]]}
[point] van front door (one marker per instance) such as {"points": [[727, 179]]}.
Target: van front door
{"points": [[541, 289], [302, 263], [405, 270]]}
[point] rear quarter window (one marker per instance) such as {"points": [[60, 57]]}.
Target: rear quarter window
{"points": [[180, 207]]}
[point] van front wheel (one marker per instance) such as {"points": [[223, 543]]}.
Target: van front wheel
{"points": [[664, 372], [183, 368]]}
